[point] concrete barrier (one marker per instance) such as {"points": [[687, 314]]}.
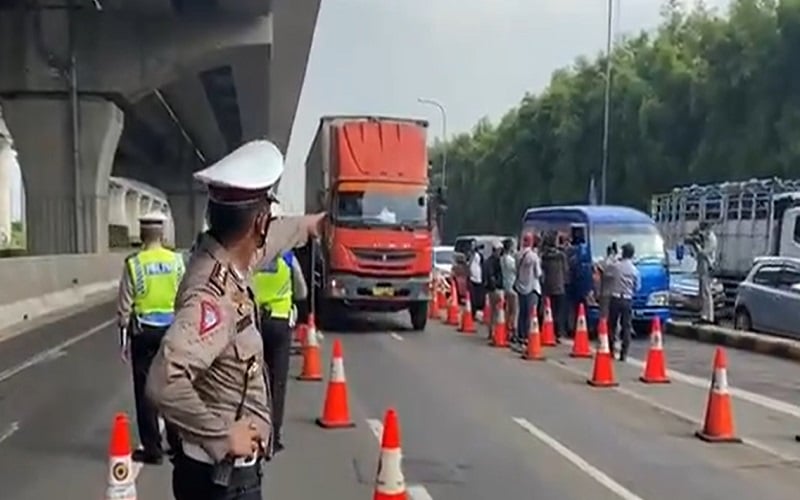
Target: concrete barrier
{"points": [[32, 287], [749, 341]]}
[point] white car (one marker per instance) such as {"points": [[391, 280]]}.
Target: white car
{"points": [[443, 261]]}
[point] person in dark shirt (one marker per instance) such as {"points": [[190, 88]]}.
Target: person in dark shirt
{"points": [[555, 271], [493, 280]]}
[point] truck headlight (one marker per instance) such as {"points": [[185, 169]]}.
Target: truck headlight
{"points": [[658, 299]]}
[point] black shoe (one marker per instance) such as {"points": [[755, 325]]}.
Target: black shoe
{"points": [[278, 446], [147, 457]]}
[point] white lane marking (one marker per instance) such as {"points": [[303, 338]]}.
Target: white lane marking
{"points": [[751, 397], [754, 443], [9, 431], [577, 461], [414, 491], [53, 352], [396, 336]]}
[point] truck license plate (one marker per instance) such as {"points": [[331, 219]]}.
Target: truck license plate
{"points": [[383, 291]]}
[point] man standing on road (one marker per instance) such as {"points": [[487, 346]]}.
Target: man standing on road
{"points": [[527, 285], [209, 377], [555, 271], [476, 289], [508, 267], [493, 282], [706, 253], [277, 285], [145, 309], [625, 282]]}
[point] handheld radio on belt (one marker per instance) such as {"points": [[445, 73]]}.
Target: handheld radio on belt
{"points": [[223, 470]]}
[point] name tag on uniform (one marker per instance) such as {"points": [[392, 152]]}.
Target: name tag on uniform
{"points": [[157, 268]]}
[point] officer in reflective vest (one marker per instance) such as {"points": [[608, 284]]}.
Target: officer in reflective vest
{"points": [[145, 310], [277, 285]]}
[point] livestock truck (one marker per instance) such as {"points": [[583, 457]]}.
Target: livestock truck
{"points": [[751, 218], [370, 174]]}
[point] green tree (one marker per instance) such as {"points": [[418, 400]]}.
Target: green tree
{"points": [[703, 98]]}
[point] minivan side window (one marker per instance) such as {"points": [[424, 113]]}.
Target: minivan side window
{"points": [[768, 275], [790, 277]]}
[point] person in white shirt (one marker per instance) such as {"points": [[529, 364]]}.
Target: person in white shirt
{"points": [[477, 293], [527, 285]]}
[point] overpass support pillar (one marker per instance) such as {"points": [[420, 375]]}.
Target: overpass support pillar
{"points": [[188, 209], [66, 208]]}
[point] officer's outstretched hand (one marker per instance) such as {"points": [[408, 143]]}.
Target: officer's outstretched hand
{"points": [[243, 438], [313, 224]]}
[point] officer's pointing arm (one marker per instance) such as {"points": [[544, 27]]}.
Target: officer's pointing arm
{"points": [[285, 233], [196, 338]]}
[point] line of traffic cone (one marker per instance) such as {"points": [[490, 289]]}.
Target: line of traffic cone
{"points": [[603, 370], [655, 367], [533, 352], [718, 426], [499, 336], [580, 345], [467, 324], [336, 408], [548, 327], [390, 484], [121, 478], [312, 362]]}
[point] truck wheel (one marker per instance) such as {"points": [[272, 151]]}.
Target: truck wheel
{"points": [[419, 315]]}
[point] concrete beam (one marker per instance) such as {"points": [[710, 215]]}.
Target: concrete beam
{"points": [[188, 100], [118, 52], [293, 32]]}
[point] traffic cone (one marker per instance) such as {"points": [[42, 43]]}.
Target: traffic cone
{"points": [[433, 307], [467, 322], [718, 426], [336, 410], [299, 339], [499, 329], [534, 350], [312, 364], [452, 308], [443, 305], [548, 328], [603, 371], [121, 480], [389, 482], [487, 312], [655, 367], [580, 347]]}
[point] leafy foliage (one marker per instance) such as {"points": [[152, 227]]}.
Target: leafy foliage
{"points": [[703, 98]]}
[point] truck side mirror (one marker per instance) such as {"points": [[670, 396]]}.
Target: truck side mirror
{"points": [[680, 251]]}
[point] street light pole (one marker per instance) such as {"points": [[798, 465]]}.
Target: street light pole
{"points": [[606, 104], [443, 111]]}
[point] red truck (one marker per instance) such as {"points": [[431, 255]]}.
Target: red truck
{"points": [[370, 174]]}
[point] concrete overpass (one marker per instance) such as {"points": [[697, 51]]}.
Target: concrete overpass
{"points": [[129, 199], [150, 90]]}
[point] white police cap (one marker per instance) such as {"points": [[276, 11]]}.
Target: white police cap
{"points": [[153, 219], [247, 175]]}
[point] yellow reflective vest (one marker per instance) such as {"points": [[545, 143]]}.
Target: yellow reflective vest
{"points": [[272, 286], [155, 274]]}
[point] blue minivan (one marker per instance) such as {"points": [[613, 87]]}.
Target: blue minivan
{"points": [[602, 225]]}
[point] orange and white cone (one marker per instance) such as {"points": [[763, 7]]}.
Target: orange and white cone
{"points": [[655, 367], [718, 427], [312, 362], [452, 308], [121, 477], [603, 371], [390, 484], [336, 410], [580, 346], [548, 327], [467, 324], [534, 349], [500, 329]]}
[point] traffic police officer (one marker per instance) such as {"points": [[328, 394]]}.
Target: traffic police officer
{"points": [[209, 378], [277, 285], [144, 311]]}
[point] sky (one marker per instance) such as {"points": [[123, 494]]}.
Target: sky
{"points": [[477, 57]]}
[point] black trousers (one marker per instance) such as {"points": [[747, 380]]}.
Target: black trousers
{"points": [[193, 480], [144, 346], [559, 305], [277, 338], [620, 311]]}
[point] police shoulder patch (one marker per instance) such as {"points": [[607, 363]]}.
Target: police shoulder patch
{"points": [[209, 317], [218, 279]]}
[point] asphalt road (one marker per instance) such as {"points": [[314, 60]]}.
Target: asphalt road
{"points": [[476, 422]]}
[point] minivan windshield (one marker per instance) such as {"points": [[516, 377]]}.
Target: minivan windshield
{"points": [[645, 238]]}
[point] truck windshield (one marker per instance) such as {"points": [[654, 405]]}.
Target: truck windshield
{"points": [[407, 209], [645, 238]]}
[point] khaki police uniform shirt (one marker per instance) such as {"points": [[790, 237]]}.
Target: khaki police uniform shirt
{"points": [[197, 377]]}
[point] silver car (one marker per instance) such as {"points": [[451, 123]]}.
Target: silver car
{"points": [[768, 300]]}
